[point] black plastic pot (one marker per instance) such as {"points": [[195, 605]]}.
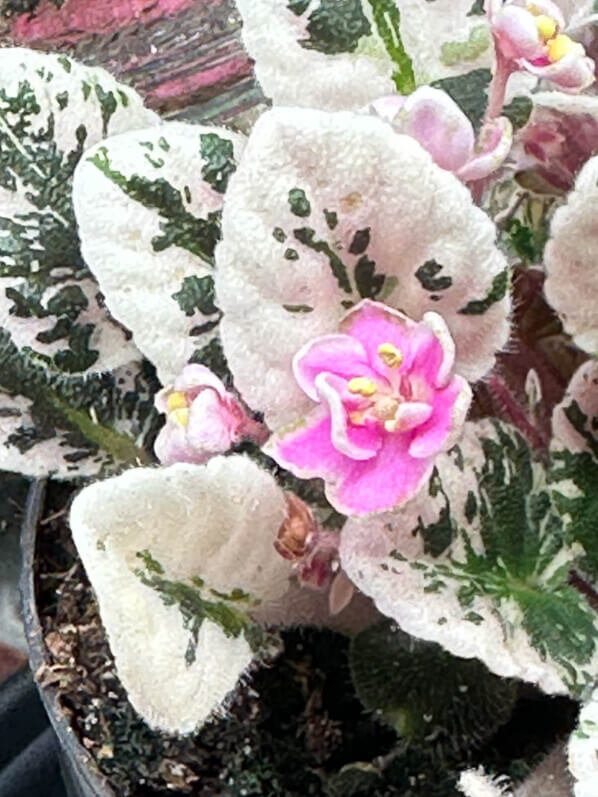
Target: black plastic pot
{"points": [[81, 776]]}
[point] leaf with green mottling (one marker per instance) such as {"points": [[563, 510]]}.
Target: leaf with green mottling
{"points": [[169, 225], [48, 300], [486, 565]]}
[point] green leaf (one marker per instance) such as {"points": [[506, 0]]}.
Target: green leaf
{"points": [[423, 692], [388, 22], [469, 92], [518, 111], [336, 26]]}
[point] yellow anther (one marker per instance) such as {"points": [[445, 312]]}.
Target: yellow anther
{"points": [[176, 401], [547, 26], [533, 9], [561, 46], [363, 386], [390, 355], [181, 416]]}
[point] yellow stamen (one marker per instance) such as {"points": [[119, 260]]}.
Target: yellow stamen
{"points": [[181, 416], [561, 46], [390, 355], [357, 418], [547, 26], [363, 386], [176, 401]]}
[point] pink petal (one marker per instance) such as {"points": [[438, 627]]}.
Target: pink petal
{"points": [[573, 73], [173, 446], [306, 450], [443, 429], [213, 423], [517, 33], [380, 484], [442, 334], [372, 324], [494, 144], [433, 119], [335, 354], [195, 377], [412, 414], [356, 442]]}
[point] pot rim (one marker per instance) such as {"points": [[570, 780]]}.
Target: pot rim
{"points": [[80, 760]]}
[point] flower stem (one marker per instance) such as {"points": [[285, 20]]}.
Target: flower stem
{"points": [[516, 414], [498, 87]]}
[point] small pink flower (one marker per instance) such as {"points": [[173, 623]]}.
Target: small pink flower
{"points": [[532, 36], [203, 418], [436, 122], [387, 403]]}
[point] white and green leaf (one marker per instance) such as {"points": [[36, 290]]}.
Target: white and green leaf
{"points": [[178, 558], [574, 463], [327, 209], [148, 205], [480, 565], [68, 426], [51, 110], [358, 50]]}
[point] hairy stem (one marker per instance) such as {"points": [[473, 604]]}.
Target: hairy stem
{"points": [[516, 414]]}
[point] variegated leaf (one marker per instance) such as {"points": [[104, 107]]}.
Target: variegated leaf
{"points": [[179, 557], [574, 465], [480, 564], [69, 425], [358, 50], [148, 206], [327, 209], [51, 110]]}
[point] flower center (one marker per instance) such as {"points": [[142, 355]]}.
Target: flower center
{"points": [[383, 398], [178, 407], [558, 45]]}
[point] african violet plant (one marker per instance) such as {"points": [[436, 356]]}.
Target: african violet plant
{"points": [[277, 356]]}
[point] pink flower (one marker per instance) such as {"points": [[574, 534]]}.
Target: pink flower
{"points": [[531, 35], [436, 122], [387, 403], [203, 418]]}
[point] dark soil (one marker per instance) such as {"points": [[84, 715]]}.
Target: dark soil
{"points": [[294, 729]]}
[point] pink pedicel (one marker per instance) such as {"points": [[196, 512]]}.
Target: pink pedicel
{"points": [[386, 403], [203, 418]]}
